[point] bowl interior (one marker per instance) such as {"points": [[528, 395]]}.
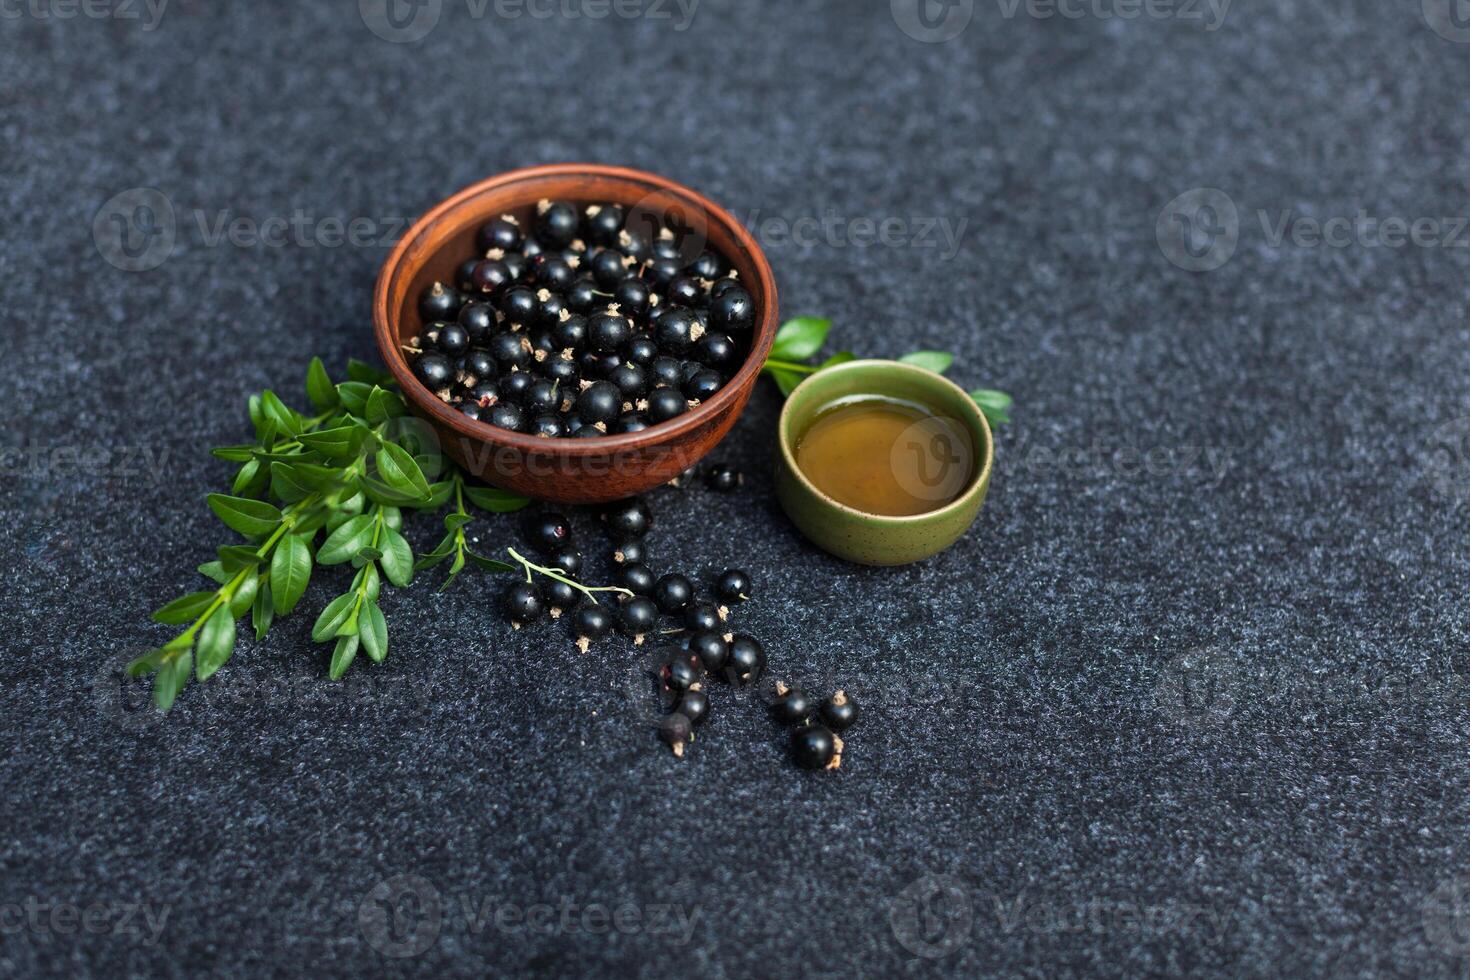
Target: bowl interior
{"points": [[889, 379]]}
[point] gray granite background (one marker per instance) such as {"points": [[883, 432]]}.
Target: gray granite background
{"points": [[1188, 699]]}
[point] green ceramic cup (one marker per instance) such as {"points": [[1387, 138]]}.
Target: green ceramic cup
{"points": [[877, 539]]}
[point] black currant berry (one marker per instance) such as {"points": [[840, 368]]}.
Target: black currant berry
{"points": [[633, 296], [815, 747], [566, 559], [549, 308], [702, 615], [733, 312], [677, 731], [629, 552], [693, 705], [599, 365], [628, 519], [491, 276], [518, 304], [660, 272], [518, 266], [747, 660], [439, 302], [506, 416], [571, 333], [665, 404], [513, 386], [711, 649], [485, 394], [722, 286], [547, 427], [479, 365], [548, 530], [556, 224], [524, 603], [631, 380], [703, 385], [681, 671], [709, 265], [631, 422], [667, 371], [500, 233], [608, 332], [563, 372], [608, 268], [717, 351], [582, 295], [470, 410], [478, 319], [559, 595], [434, 370], [464, 277], [722, 478], [591, 622], [684, 291], [599, 402], [637, 578], [792, 706], [733, 585], [641, 351], [673, 592], [542, 398], [638, 617], [587, 432], [552, 272], [676, 330], [453, 340], [839, 712], [509, 350], [602, 222]]}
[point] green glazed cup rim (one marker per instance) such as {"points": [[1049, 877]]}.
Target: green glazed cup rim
{"points": [[814, 388]]}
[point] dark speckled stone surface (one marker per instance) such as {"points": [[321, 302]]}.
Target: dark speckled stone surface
{"points": [[1187, 700]]}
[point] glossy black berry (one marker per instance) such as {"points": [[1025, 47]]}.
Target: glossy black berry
{"points": [[479, 365], [453, 340], [564, 372], [552, 272], [566, 558], [702, 615], [591, 622], [598, 365], [839, 712], [722, 286], [518, 265], [485, 394], [667, 371], [792, 706], [570, 333], [676, 331], [633, 296], [491, 276], [693, 705], [587, 432], [509, 350], [542, 398], [813, 747], [556, 224], [684, 291], [478, 319], [464, 277], [524, 603], [641, 351], [711, 649], [665, 404], [470, 410], [681, 671], [599, 402], [439, 302], [560, 595], [506, 416], [582, 296], [547, 427], [608, 332], [434, 370], [722, 478], [608, 267], [733, 585], [602, 222], [661, 272], [631, 422], [548, 530], [499, 233], [637, 578], [733, 312], [747, 660], [709, 265], [518, 304], [673, 592], [703, 386], [677, 731], [549, 308], [638, 616], [513, 387], [717, 351], [629, 552], [628, 519]]}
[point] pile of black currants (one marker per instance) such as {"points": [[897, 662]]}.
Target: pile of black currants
{"points": [[815, 741], [582, 326]]}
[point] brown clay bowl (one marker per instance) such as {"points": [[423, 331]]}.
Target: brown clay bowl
{"points": [[568, 470]]}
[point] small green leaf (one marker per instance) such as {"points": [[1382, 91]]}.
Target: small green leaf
{"points": [[800, 338], [343, 442], [495, 500], [841, 357], [453, 522], [249, 480], [372, 629], [214, 571], [285, 486], [233, 557], [342, 656], [319, 387], [995, 404], [216, 643], [491, 564], [455, 568], [382, 405], [364, 372], [263, 613], [234, 454], [252, 518], [354, 396], [400, 472], [439, 494], [330, 621], [929, 360], [786, 380], [185, 609], [442, 551], [397, 560], [147, 663], [244, 595], [343, 544], [290, 572], [173, 674], [276, 411]]}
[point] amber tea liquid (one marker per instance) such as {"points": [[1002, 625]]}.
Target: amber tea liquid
{"points": [[884, 456]]}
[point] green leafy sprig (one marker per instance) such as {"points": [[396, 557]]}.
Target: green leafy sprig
{"points": [[346, 475], [798, 342]]}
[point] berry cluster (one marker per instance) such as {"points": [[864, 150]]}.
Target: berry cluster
{"points": [[583, 327], [815, 741]]}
